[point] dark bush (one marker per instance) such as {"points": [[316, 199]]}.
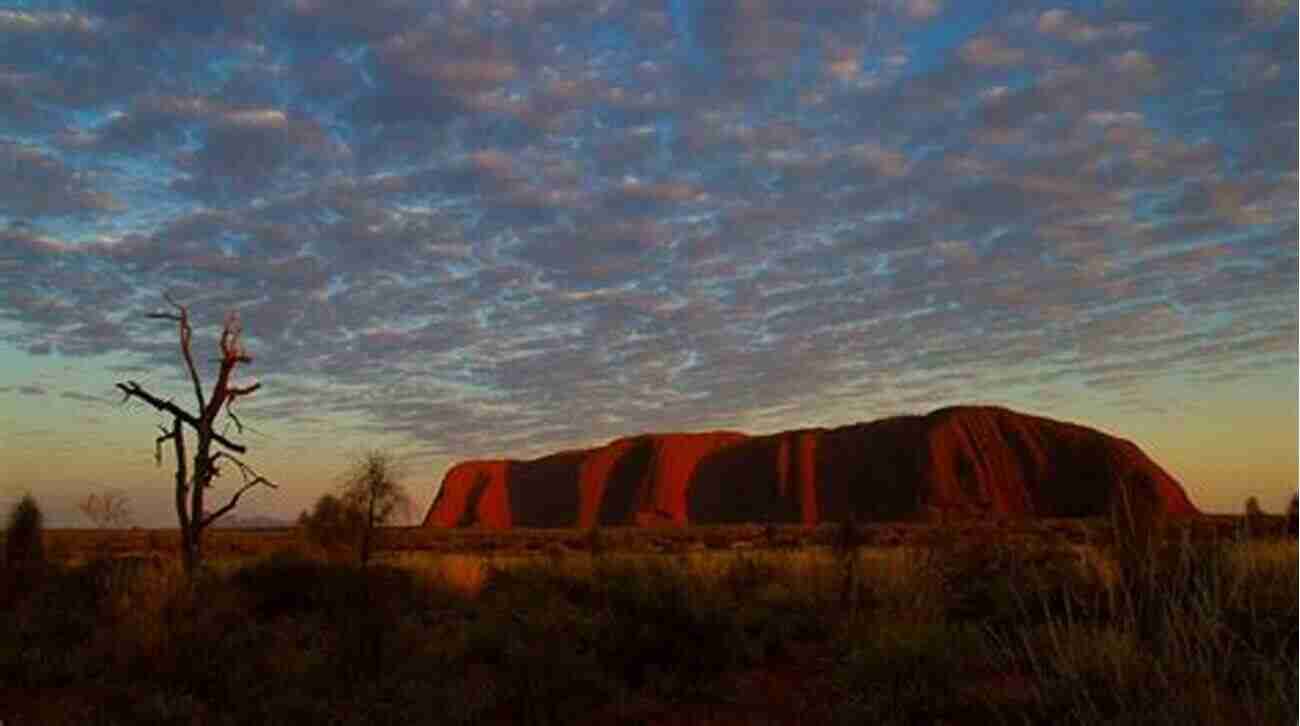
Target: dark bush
{"points": [[24, 546], [333, 525]]}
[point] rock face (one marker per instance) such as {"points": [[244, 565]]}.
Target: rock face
{"points": [[959, 461]]}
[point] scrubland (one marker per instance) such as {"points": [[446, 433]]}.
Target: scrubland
{"points": [[1044, 623]]}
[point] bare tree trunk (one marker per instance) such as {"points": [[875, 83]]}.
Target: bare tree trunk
{"points": [[189, 552]]}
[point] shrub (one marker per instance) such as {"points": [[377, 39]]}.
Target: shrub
{"points": [[23, 544], [332, 525]]}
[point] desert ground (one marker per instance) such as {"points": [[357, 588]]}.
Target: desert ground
{"points": [[1026, 621]]}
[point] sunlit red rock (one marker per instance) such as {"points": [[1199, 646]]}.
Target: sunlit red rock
{"points": [[966, 461], [473, 492]]}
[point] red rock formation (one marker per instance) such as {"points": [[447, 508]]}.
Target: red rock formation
{"points": [[992, 459], [608, 479], [473, 492], [961, 461], [544, 492], [605, 496], [674, 461]]}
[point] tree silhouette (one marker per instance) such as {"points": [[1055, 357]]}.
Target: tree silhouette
{"points": [[24, 543], [333, 525], [191, 487], [371, 489]]}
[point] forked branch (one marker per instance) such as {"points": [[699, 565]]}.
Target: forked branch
{"points": [[251, 479], [132, 389]]}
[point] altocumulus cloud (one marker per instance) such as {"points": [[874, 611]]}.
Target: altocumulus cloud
{"points": [[505, 224]]}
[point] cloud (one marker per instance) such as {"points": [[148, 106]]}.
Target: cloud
{"points": [[1133, 63], [990, 51], [81, 397], [922, 9], [35, 183], [29, 389], [1065, 25], [473, 226]]}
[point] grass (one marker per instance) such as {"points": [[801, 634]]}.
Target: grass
{"points": [[987, 627]]}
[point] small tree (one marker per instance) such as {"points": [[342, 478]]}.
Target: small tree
{"points": [[24, 546], [107, 509], [191, 486], [332, 525], [371, 489]]}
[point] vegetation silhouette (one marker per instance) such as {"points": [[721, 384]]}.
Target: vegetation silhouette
{"points": [[961, 625], [332, 526], [24, 528], [373, 495]]}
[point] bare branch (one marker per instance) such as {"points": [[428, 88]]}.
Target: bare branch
{"points": [[239, 425], [131, 388], [234, 500], [233, 392], [157, 445], [251, 479], [247, 471], [182, 318], [232, 354]]}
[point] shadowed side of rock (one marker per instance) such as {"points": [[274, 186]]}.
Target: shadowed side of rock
{"points": [[544, 492], [610, 480], [674, 469], [986, 459], [759, 479]]}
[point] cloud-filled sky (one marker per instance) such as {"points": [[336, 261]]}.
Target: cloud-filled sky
{"points": [[500, 227]]}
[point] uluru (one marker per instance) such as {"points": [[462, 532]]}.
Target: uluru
{"points": [[960, 461]]}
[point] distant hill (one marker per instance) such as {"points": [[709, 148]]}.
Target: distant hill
{"points": [[963, 461]]}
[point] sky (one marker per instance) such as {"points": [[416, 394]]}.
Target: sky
{"points": [[484, 228]]}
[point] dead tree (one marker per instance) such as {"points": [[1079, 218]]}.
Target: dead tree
{"points": [[191, 485]]}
